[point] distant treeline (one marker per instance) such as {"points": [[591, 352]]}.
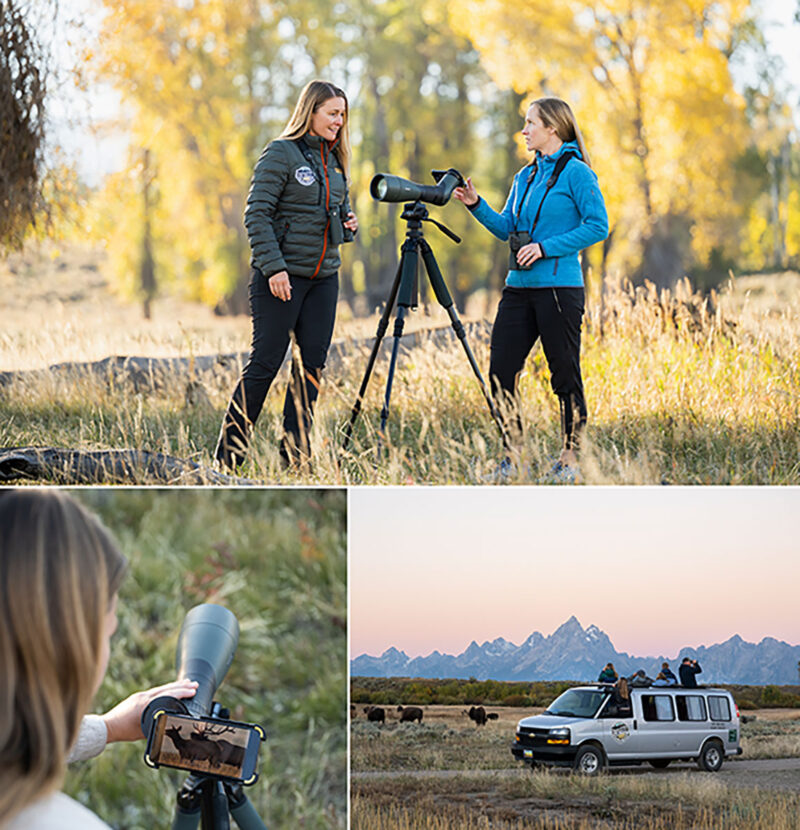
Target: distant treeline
{"points": [[424, 691]]}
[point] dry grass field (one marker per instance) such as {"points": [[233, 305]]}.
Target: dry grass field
{"points": [[680, 391], [448, 773]]}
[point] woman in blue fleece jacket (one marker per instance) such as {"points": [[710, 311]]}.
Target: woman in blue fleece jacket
{"points": [[544, 293]]}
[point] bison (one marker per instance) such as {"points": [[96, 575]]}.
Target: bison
{"points": [[410, 713], [375, 713], [480, 715]]}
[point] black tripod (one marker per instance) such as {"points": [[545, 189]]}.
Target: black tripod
{"points": [[404, 292], [211, 801]]}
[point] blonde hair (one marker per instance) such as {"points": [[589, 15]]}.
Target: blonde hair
{"points": [[59, 572], [313, 96], [557, 114]]}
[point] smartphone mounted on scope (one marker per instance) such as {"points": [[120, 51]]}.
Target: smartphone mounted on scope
{"points": [[207, 746]]}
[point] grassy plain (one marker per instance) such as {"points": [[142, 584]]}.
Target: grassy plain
{"points": [[448, 773], [448, 740], [680, 391], [277, 559], [549, 801]]}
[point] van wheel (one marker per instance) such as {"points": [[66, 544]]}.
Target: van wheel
{"points": [[589, 760], [660, 763], [711, 757]]}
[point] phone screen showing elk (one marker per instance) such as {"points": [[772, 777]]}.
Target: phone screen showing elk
{"points": [[207, 746]]}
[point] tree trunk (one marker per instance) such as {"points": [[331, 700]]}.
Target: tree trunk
{"points": [[147, 271]]}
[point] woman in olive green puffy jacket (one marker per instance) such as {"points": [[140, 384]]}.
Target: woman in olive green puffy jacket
{"points": [[297, 215]]}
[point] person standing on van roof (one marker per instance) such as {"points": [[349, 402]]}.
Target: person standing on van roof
{"points": [[669, 675], [689, 669], [640, 679], [608, 675]]}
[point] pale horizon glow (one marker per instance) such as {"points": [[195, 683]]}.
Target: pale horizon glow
{"points": [[656, 569]]}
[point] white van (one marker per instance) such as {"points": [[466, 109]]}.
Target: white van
{"points": [[588, 728]]}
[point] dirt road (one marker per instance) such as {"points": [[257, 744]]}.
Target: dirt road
{"points": [[769, 773]]}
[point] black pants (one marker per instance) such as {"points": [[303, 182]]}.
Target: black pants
{"points": [[310, 315], [555, 315]]}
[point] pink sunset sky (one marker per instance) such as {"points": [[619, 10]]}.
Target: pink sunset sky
{"points": [[656, 569]]}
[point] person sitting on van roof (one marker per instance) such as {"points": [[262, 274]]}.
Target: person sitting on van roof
{"points": [[639, 678], [669, 674], [688, 670], [608, 675], [661, 680]]}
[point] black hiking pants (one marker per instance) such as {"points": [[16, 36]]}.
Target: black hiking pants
{"points": [[555, 315], [310, 314]]}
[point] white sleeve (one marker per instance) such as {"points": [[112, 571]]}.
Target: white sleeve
{"points": [[91, 741]]}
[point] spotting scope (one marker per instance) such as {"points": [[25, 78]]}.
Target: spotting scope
{"points": [[206, 645], [387, 188]]}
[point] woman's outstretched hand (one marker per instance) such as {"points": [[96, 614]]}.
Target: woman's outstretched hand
{"points": [[280, 286], [124, 721], [468, 195]]}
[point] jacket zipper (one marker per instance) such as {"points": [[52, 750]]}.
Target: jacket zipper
{"points": [[327, 209]]}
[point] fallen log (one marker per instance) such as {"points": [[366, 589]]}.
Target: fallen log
{"points": [[69, 466], [153, 373]]}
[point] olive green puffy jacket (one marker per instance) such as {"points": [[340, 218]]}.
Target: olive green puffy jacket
{"points": [[287, 208]]}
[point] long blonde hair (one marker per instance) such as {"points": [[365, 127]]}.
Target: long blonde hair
{"points": [[557, 114], [313, 96], [59, 572]]}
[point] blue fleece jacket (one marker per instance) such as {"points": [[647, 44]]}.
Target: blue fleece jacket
{"points": [[573, 217]]}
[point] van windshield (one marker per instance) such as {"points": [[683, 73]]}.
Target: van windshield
{"points": [[577, 703]]}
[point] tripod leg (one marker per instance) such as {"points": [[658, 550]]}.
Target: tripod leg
{"points": [[405, 298], [383, 325], [185, 819], [214, 806], [446, 301], [243, 812], [399, 324], [187, 809]]}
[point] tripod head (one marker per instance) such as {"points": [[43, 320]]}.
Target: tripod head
{"points": [[415, 213]]}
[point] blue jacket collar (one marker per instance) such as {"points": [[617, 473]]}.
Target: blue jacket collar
{"points": [[566, 147]]}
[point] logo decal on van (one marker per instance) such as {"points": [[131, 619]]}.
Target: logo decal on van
{"points": [[620, 731], [305, 175]]}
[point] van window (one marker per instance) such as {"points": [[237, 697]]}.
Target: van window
{"points": [[657, 707], [719, 707], [690, 707]]}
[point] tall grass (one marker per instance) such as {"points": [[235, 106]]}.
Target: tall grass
{"points": [[277, 559], [544, 800], [680, 390]]}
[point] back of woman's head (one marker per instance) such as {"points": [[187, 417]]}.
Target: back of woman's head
{"points": [[59, 572], [557, 114]]}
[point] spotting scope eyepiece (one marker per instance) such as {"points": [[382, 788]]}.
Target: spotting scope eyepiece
{"points": [[387, 188], [206, 645]]}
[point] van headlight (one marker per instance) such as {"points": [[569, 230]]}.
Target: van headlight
{"points": [[558, 736]]}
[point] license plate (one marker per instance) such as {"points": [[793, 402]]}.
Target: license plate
{"points": [[527, 753]]}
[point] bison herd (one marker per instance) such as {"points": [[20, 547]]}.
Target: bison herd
{"points": [[409, 714]]}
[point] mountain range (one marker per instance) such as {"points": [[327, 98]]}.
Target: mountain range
{"points": [[572, 652]]}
